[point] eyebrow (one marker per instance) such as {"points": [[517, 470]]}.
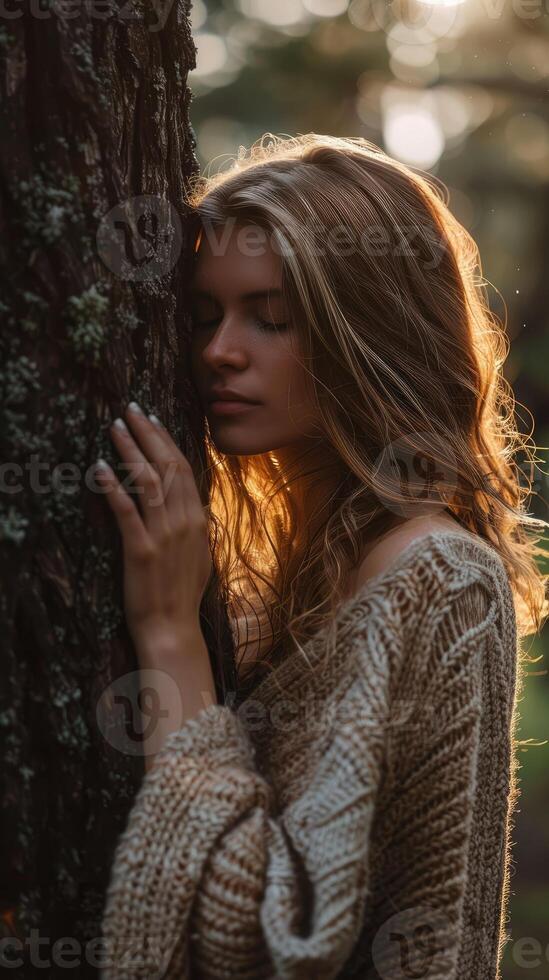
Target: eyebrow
{"points": [[257, 294]]}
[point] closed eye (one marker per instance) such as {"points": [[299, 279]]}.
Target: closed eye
{"points": [[261, 324]]}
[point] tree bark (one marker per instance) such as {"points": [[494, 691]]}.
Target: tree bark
{"points": [[96, 248]]}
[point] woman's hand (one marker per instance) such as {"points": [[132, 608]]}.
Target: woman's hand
{"points": [[167, 561]]}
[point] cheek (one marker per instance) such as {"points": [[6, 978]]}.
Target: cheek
{"points": [[299, 379], [286, 373], [299, 392]]}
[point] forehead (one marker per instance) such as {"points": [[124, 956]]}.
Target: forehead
{"points": [[236, 259]]}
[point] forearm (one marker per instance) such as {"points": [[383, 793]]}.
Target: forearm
{"points": [[176, 684]]}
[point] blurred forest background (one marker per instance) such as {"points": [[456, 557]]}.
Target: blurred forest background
{"points": [[459, 89]]}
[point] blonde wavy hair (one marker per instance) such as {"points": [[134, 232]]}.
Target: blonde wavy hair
{"points": [[406, 360]]}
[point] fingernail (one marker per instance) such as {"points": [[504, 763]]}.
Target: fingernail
{"points": [[120, 424], [156, 421], [134, 407], [101, 464]]}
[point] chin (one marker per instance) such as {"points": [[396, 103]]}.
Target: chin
{"points": [[238, 444]]}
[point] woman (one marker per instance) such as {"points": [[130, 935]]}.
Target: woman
{"points": [[348, 812]]}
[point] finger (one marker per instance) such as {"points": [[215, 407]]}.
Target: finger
{"points": [[181, 496], [135, 537], [148, 481]]}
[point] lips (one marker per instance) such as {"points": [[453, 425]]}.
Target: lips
{"points": [[223, 407], [229, 396]]}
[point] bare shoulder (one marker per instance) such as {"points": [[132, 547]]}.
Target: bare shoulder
{"points": [[385, 550]]}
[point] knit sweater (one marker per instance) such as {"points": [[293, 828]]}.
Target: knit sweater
{"points": [[349, 821]]}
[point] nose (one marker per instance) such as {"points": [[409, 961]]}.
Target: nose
{"points": [[225, 347]]}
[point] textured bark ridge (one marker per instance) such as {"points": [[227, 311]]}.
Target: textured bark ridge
{"points": [[95, 250]]}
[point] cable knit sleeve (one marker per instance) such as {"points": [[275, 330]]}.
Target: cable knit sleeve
{"points": [[223, 873]]}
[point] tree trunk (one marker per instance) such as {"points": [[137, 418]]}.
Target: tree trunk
{"points": [[95, 251]]}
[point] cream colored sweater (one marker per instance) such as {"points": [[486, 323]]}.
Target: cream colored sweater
{"points": [[349, 822]]}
